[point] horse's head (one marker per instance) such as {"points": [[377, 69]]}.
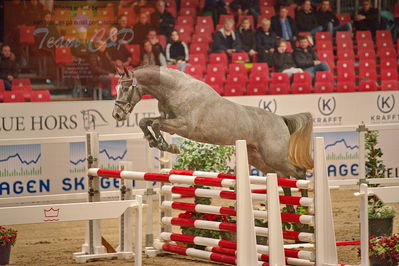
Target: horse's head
{"points": [[129, 94]]}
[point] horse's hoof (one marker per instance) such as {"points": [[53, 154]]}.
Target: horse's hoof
{"points": [[174, 149]]}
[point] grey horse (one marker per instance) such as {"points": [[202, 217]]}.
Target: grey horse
{"points": [[192, 109]]}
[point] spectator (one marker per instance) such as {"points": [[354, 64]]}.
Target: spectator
{"points": [[284, 26], [117, 51], [306, 58], [162, 20], [153, 38], [329, 21], [247, 37], [306, 19], [102, 67], [150, 57], [176, 51], [366, 18], [226, 39], [141, 28], [215, 8], [283, 60], [8, 66], [246, 7], [266, 41], [122, 23]]}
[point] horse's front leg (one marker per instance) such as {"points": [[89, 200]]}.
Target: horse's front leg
{"points": [[144, 124], [168, 125]]}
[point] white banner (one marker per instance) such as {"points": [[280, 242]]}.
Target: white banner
{"points": [[56, 168]]}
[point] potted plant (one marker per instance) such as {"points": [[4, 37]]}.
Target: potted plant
{"points": [[204, 157], [380, 215], [384, 250], [7, 239]]}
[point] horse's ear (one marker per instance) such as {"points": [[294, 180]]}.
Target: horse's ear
{"points": [[119, 71]]}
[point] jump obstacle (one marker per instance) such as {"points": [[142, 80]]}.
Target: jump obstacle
{"points": [[244, 251]]}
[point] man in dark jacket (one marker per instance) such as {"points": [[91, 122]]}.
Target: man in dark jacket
{"points": [[266, 42], [306, 58], [306, 19], [283, 60], [329, 21], [8, 67], [226, 39], [284, 26], [366, 18], [162, 20], [247, 37]]}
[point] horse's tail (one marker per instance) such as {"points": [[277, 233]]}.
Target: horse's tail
{"points": [[300, 127]]}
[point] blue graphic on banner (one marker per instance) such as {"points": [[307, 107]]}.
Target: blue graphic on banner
{"points": [[111, 152], [20, 160]]}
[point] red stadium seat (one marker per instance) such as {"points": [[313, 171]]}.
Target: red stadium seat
{"points": [[2, 86], [343, 36], [204, 29], [267, 11], [363, 36], [185, 20], [385, 44], [387, 54], [388, 63], [280, 83], [260, 68], [171, 3], [201, 38], [367, 64], [26, 35], [239, 57], [389, 85], [258, 77], [389, 74], [237, 69], [256, 88], [368, 53], [365, 45], [189, 3], [188, 11], [106, 13], [184, 29], [22, 85], [199, 48], [135, 52], [323, 36], [345, 65], [234, 89], [13, 97], [223, 17], [346, 81], [185, 37], [218, 58], [383, 35], [63, 55], [197, 59], [195, 71], [205, 20], [367, 85], [62, 13], [367, 74], [162, 40], [216, 69], [129, 13], [302, 83], [239, 78], [324, 82], [267, 3], [40, 96], [322, 45], [344, 44], [215, 78], [344, 18], [346, 54], [147, 10], [172, 10]]}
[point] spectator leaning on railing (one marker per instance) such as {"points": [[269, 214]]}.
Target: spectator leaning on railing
{"points": [[306, 58], [328, 20], [283, 60], [284, 26], [247, 37], [306, 19], [226, 39], [266, 41], [176, 51], [8, 66]]}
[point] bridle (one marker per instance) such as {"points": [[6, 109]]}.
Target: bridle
{"points": [[126, 105]]}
